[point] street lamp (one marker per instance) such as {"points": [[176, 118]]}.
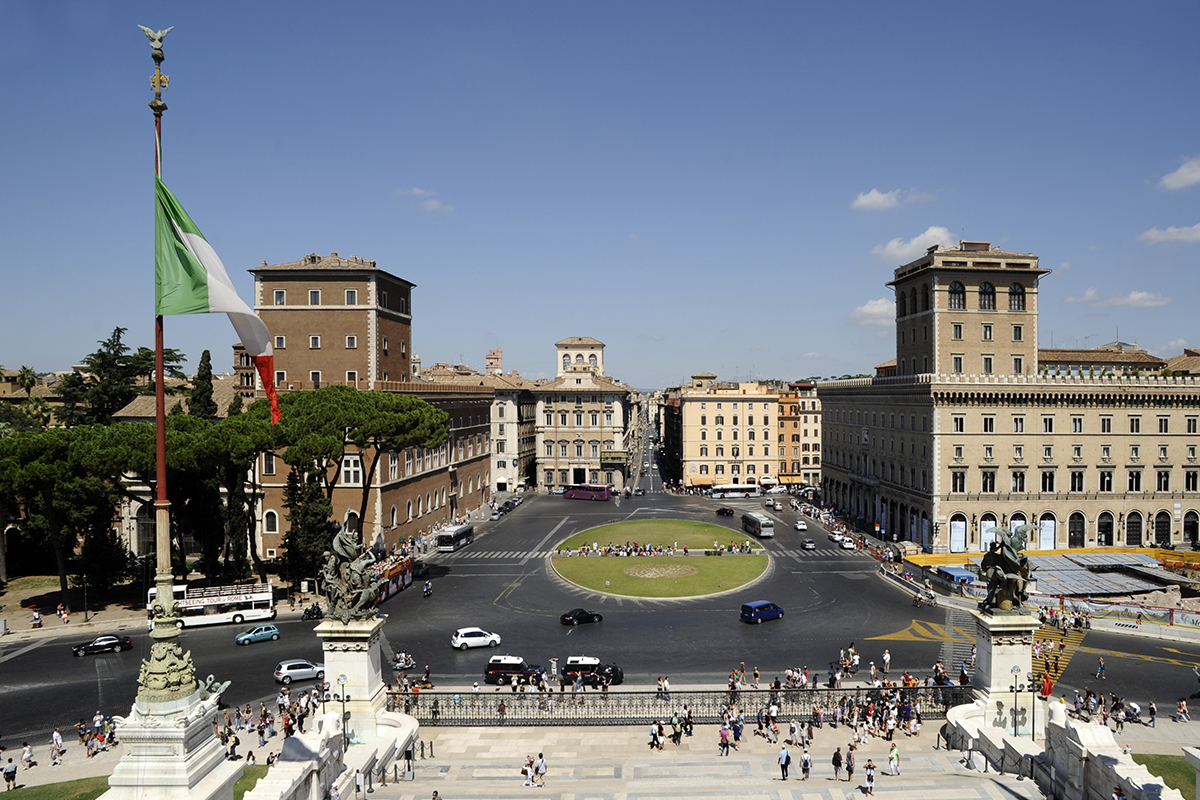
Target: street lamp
{"points": [[1016, 687], [342, 697], [1033, 707]]}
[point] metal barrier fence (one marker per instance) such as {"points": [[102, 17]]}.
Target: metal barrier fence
{"points": [[637, 708]]}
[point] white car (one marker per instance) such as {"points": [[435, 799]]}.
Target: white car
{"points": [[834, 536], [473, 637], [801, 525], [779, 506], [848, 544]]}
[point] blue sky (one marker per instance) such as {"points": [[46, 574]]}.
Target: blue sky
{"points": [[702, 186]]}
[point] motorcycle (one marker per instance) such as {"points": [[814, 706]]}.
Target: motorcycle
{"points": [[427, 589], [313, 612]]}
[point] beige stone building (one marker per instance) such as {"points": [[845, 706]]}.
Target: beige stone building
{"points": [[799, 436], [971, 432], [722, 432], [586, 422]]}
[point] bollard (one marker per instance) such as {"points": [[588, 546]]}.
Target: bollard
{"points": [[383, 775], [422, 750], [431, 748], [370, 783]]}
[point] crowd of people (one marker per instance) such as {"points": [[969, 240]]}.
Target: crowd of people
{"points": [[635, 549]]}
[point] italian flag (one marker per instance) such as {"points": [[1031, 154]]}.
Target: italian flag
{"points": [[189, 278]]}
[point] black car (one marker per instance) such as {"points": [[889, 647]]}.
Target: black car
{"points": [[724, 512], [103, 644], [507, 506], [578, 615]]}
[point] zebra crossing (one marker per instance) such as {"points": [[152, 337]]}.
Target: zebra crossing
{"points": [[802, 554], [500, 555]]}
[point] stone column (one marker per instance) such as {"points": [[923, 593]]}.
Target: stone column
{"points": [[352, 650]]}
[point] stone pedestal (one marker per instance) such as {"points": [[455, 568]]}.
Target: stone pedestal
{"points": [[352, 649], [1004, 640], [171, 753]]}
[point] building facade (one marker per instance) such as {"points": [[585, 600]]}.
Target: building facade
{"points": [[971, 433], [799, 436], [723, 432], [586, 422]]}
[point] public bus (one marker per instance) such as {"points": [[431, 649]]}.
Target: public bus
{"points": [[396, 571], [736, 490], [455, 537], [217, 604], [759, 525], [587, 491]]}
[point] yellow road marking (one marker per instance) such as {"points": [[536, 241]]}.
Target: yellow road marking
{"points": [[922, 631]]}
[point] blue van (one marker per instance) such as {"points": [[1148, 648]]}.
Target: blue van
{"points": [[759, 610]]}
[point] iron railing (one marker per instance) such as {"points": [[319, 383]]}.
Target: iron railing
{"points": [[637, 708]]}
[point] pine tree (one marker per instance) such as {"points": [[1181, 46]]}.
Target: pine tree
{"points": [[200, 400]]}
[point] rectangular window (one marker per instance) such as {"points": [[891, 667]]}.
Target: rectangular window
{"points": [[500, 444], [1164, 424], [1018, 424], [1162, 452], [352, 471], [1191, 424], [549, 419], [1048, 453], [314, 378], [1076, 481], [1077, 452], [987, 333], [1135, 480], [351, 342], [1018, 452], [988, 452], [579, 451], [595, 451], [280, 342], [608, 418], [1163, 481], [280, 297], [957, 328], [987, 365], [1106, 481], [280, 378], [958, 423], [352, 377], [958, 451], [1106, 452], [1135, 424], [595, 418], [352, 297], [1076, 424], [1106, 424], [958, 481], [1047, 424], [958, 365], [1018, 482], [393, 465], [1018, 365], [314, 297], [549, 449], [1134, 452], [314, 342], [1048, 481], [988, 483], [562, 450], [268, 463], [1018, 333], [989, 424]]}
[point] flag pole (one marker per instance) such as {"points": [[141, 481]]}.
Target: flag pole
{"points": [[169, 673]]}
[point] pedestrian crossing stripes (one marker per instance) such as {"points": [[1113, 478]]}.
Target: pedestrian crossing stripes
{"points": [[474, 555], [1058, 646], [838, 553]]}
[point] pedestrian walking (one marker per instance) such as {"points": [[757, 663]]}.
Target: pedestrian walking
{"points": [[837, 764], [869, 771], [723, 745], [10, 775], [1100, 669], [785, 759], [527, 771], [1181, 711], [850, 764], [894, 760], [1153, 714], [539, 772], [27, 756], [805, 765], [887, 662]]}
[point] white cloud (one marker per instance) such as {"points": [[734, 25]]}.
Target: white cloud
{"points": [[1170, 348], [875, 312], [1172, 234], [1065, 266], [876, 200], [898, 250], [813, 354], [1187, 175], [633, 237], [1135, 299], [413, 192], [435, 205]]}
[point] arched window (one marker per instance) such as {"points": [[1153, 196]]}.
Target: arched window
{"points": [[1104, 530], [271, 522], [409, 511], [703, 435], [566, 361], [1048, 532], [1016, 297], [987, 297], [393, 516], [913, 301], [351, 521], [1133, 529], [1076, 530], [579, 358], [1191, 526], [924, 296], [901, 305], [419, 507], [592, 359], [958, 296], [986, 533], [958, 533], [1162, 528]]}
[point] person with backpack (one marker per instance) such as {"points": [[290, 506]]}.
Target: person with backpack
{"points": [[785, 760], [805, 765], [837, 764]]}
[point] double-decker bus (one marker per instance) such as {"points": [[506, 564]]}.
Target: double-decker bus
{"points": [[454, 537], [397, 571], [759, 525], [587, 491], [736, 490], [217, 604]]}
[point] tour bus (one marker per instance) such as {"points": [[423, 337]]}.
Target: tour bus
{"points": [[454, 537], [759, 525], [736, 490], [587, 491], [217, 604], [395, 572]]}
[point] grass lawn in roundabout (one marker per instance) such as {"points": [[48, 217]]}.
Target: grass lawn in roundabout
{"points": [[661, 576]]}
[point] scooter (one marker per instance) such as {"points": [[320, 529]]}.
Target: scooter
{"points": [[427, 590], [407, 662], [313, 612]]}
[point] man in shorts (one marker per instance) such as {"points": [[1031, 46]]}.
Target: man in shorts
{"points": [[10, 775]]}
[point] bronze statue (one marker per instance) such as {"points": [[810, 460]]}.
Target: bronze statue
{"points": [[1007, 570], [351, 590]]}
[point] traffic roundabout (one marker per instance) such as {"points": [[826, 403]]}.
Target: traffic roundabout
{"points": [[647, 559]]}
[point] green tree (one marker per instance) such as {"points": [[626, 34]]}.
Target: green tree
{"points": [[102, 388], [142, 362], [27, 379], [200, 399], [310, 529]]}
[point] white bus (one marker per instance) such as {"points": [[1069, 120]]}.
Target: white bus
{"points": [[759, 525], [218, 604], [454, 537], [736, 490]]}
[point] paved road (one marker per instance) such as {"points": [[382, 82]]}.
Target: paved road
{"points": [[502, 583]]}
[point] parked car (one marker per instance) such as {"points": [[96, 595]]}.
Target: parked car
{"points": [[297, 669], [259, 633], [496, 514], [557, 490], [760, 610], [579, 615], [801, 525], [724, 512], [592, 670], [808, 544], [103, 644], [473, 637], [504, 670]]}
